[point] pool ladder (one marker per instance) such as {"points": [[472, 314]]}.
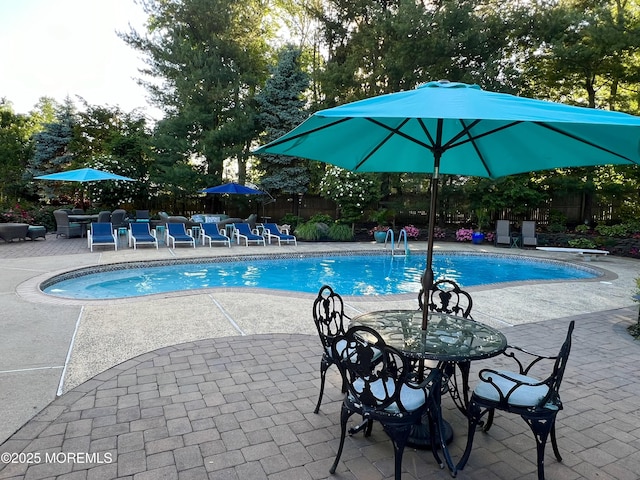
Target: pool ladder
{"points": [[402, 235]]}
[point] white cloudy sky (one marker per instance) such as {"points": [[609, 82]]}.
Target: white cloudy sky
{"points": [[60, 48]]}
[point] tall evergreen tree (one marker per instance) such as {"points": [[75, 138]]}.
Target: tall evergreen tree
{"points": [[281, 108], [206, 59], [53, 147]]}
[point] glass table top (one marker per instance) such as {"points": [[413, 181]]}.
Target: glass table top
{"points": [[447, 338]]}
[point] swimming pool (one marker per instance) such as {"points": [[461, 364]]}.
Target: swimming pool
{"points": [[352, 274]]}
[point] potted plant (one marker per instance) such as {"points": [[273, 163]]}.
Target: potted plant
{"points": [[381, 217], [379, 233], [482, 216]]}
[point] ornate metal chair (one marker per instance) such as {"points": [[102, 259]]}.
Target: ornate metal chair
{"points": [[446, 296], [330, 320], [536, 401], [382, 386]]}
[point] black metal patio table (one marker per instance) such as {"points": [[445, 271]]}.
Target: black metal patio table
{"points": [[448, 338]]}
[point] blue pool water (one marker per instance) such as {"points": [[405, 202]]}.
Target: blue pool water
{"points": [[349, 275]]}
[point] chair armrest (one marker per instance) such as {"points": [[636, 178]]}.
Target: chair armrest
{"points": [[527, 359]]}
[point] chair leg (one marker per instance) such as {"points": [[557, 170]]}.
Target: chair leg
{"points": [[489, 421], [399, 437], [459, 394], [474, 415], [324, 366], [554, 442], [541, 427], [345, 413]]}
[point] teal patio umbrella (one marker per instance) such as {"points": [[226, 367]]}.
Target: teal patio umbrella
{"points": [[83, 175], [455, 128]]}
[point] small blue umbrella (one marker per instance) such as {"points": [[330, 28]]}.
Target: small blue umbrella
{"points": [[234, 188], [84, 175]]}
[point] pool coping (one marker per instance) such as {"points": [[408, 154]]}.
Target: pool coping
{"points": [[31, 290]]}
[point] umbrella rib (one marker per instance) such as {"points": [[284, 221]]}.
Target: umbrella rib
{"points": [[475, 146], [275, 143], [392, 132], [582, 140], [396, 131]]}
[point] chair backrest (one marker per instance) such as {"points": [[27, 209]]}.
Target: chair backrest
{"points": [[375, 374], [101, 229], [251, 221], [244, 229], [502, 227], [104, 216], [118, 217], [142, 214], [528, 228], [446, 296], [77, 211], [61, 217], [139, 229], [329, 316], [554, 380], [272, 228], [211, 229], [176, 229]]}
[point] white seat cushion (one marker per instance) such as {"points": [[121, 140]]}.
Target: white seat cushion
{"points": [[523, 396], [411, 398]]}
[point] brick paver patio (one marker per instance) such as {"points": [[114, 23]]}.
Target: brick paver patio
{"points": [[241, 408]]}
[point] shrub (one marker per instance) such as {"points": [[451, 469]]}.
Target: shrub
{"points": [[340, 233], [17, 214], [412, 232], [312, 231], [292, 220], [581, 243], [439, 233], [464, 234]]}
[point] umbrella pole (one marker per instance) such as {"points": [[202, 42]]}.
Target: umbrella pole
{"points": [[427, 277]]}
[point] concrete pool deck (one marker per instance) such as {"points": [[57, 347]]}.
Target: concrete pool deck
{"points": [[53, 346]]}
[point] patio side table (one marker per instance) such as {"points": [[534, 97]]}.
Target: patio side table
{"points": [[515, 240]]}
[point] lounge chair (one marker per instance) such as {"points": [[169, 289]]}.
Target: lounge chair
{"points": [[101, 234], [211, 232], [141, 234], [528, 235], [64, 227], [242, 231], [176, 233], [503, 235], [271, 230]]}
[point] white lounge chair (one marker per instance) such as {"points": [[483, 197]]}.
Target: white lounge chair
{"points": [[242, 230], [141, 234], [271, 230], [177, 233], [212, 234], [101, 233]]}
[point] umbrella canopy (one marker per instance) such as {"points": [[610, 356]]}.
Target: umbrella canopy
{"points": [[234, 188], [455, 128], [84, 175]]}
